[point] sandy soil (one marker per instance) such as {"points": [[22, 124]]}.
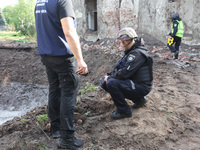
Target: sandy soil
{"points": [[169, 121]]}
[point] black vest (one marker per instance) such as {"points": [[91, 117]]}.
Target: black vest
{"points": [[145, 72], [50, 37]]}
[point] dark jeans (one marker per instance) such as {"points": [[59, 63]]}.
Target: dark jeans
{"points": [[63, 88], [121, 89], [177, 41]]}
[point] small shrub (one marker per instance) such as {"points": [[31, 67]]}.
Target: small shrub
{"points": [[78, 99], [23, 120], [41, 118], [87, 113], [88, 88]]}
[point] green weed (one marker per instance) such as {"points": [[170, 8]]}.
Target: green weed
{"points": [[87, 113], [78, 99], [23, 120], [42, 146], [25, 40], [88, 88], [41, 118], [11, 35]]}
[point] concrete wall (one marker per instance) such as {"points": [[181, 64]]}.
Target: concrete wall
{"points": [[112, 15], [151, 17], [155, 18]]}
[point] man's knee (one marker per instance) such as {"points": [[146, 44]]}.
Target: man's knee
{"points": [[112, 82]]}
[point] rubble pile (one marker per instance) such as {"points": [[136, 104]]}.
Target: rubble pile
{"points": [[187, 55]]}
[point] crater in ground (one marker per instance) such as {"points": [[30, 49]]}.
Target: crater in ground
{"points": [[170, 120]]}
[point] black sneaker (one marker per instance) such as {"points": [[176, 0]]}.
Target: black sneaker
{"points": [[117, 115], [56, 134], [142, 102], [72, 143]]}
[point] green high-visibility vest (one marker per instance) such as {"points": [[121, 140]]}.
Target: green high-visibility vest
{"points": [[180, 31]]}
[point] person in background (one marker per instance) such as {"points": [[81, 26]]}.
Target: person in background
{"points": [[132, 76], [176, 34], [60, 51]]}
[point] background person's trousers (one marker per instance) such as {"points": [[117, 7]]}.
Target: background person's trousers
{"points": [[63, 88], [175, 49]]}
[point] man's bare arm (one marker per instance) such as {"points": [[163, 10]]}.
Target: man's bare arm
{"points": [[74, 43]]}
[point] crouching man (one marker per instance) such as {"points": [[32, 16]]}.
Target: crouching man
{"points": [[132, 76]]}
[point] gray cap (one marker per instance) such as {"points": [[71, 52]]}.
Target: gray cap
{"points": [[126, 34]]}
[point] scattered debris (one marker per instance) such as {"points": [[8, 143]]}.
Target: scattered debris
{"points": [[170, 119], [170, 131], [181, 64]]}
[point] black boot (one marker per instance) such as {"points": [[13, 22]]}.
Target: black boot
{"points": [[140, 103], [56, 134], [117, 115], [176, 54], [72, 143]]}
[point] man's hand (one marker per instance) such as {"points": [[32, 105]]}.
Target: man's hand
{"points": [[83, 69], [106, 78], [74, 43]]}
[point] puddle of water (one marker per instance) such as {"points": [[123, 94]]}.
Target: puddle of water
{"points": [[8, 115], [16, 99]]}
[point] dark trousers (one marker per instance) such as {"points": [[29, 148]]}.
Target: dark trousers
{"points": [[175, 49], [121, 89], [63, 88]]}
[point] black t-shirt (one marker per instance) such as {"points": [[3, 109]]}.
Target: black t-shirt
{"points": [[65, 9]]}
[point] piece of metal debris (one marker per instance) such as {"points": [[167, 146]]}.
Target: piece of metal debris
{"points": [[181, 64]]}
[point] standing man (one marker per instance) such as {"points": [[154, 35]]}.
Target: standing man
{"points": [[132, 76], [177, 31], [60, 51]]}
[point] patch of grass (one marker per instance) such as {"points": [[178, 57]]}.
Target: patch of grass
{"points": [[25, 40], [78, 99], [11, 35], [23, 120], [41, 118], [42, 146], [88, 88], [24, 143], [87, 113]]}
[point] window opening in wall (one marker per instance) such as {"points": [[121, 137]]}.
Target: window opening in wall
{"points": [[91, 7], [170, 1]]}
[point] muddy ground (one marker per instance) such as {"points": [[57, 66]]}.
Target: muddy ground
{"points": [[169, 121]]}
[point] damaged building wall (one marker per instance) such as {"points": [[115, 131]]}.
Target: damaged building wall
{"points": [[112, 15], [98, 19], [155, 18]]}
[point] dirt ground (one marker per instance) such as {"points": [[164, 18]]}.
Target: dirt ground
{"points": [[169, 121]]}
